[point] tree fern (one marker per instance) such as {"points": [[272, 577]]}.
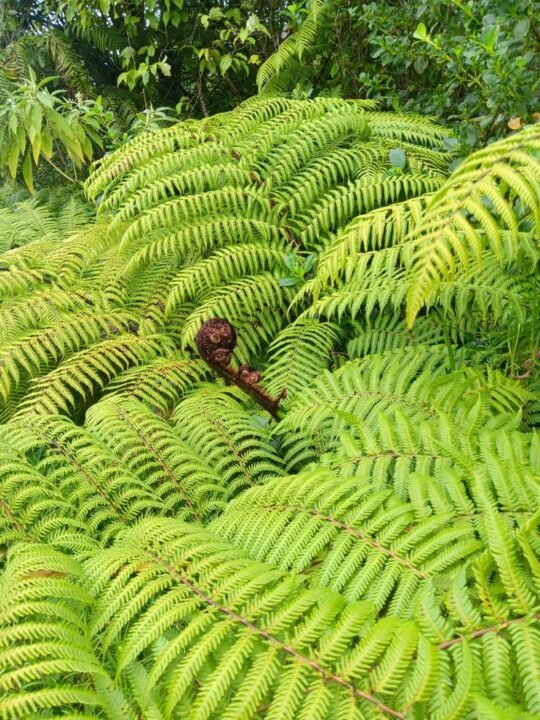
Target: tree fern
{"points": [[299, 354], [77, 381], [415, 380], [169, 550], [162, 383]]}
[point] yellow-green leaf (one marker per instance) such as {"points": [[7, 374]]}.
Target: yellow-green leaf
{"points": [[47, 144], [28, 173], [21, 139], [13, 160], [36, 147]]}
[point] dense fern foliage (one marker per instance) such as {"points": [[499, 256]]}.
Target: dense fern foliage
{"points": [[169, 551]]}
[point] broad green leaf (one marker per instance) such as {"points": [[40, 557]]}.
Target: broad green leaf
{"points": [[421, 32], [12, 124], [21, 139], [36, 147], [28, 173], [13, 160], [47, 143], [215, 13], [225, 63], [397, 158]]}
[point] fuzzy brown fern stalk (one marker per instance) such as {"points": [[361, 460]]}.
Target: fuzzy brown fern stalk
{"points": [[216, 341]]}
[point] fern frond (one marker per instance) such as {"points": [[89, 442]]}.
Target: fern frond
{"points": [[202, 238], [142, 148], [298, 355], [161, 383], [413, 380], [221, 268], [187, 483], [85, 374], [98, 490], [357, 540], [304, 144], [341, 205], [375, 230], [48, 664], [410, 128], [205, 178], [32, 354], [246, 202], [294, 45], [261, 620], [492, 191], [33, 509], [217, 427]]}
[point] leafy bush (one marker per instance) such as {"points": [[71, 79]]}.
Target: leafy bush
{"points": [[473, 64], [80, 78], [171, 552]]}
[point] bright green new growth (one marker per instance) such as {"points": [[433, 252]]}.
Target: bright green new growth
{"points": [[169, 552]]}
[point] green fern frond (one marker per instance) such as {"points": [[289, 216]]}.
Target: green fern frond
{"points": [[262, 628], [28, 220], [33, 509], [410, 128], [246, 202], [187, 482], [161, 383], [100, 492], [415, 381], [442, 466], [302, 145], [375, 230], [233, 441], [298, 355], [84, 375], [492, 191], [32, 354], [142, 148], [223, 267], [136, 179], [205, 178], [355, 539], [201, 238], [294, 45], [341, 205], [68, 63], [48, 663]]}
